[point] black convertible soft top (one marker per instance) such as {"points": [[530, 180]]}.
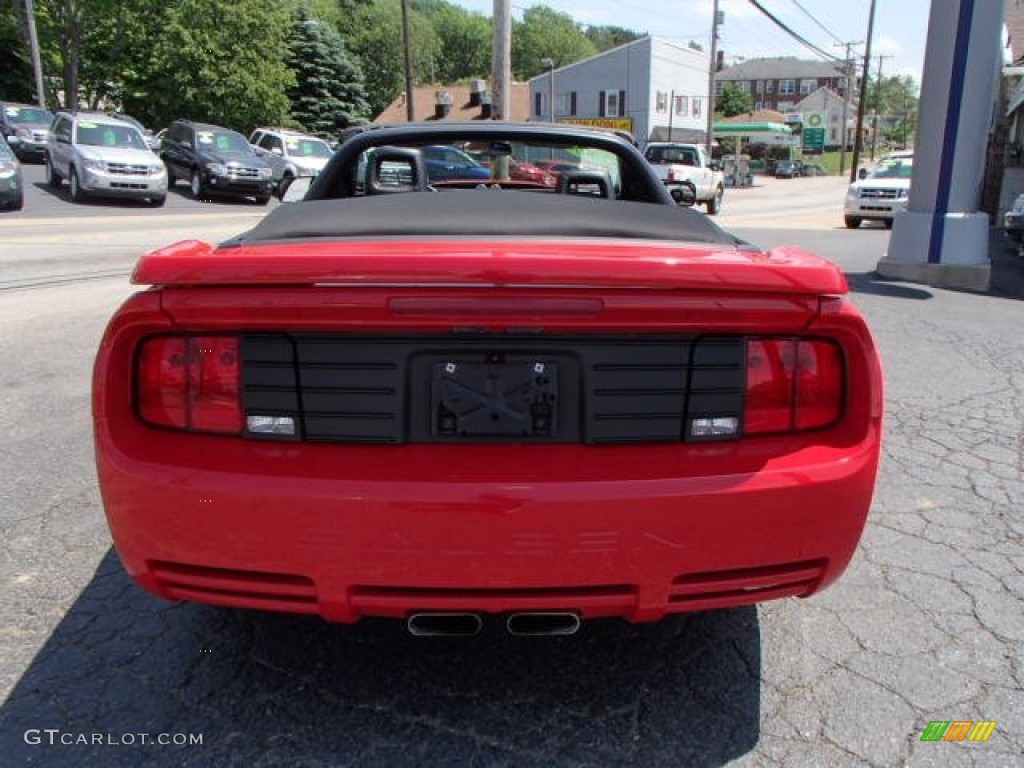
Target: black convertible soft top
{"points": [[482, 214]]}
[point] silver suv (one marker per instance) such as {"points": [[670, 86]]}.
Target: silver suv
{"points": [[290, 153], [103, 156]]}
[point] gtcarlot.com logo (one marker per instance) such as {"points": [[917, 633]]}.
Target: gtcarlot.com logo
{"points": [[55, 736]]}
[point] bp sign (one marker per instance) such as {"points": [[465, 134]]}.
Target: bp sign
{"points": [[814, 133]]}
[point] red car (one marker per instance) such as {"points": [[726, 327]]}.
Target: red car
{"points": [[453, 405]]}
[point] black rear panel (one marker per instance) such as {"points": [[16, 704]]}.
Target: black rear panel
{"points": [[502, 388]]}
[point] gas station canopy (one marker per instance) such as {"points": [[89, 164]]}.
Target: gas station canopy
{"points": [[778, 134]]}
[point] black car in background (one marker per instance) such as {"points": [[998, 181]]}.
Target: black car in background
{"points": [[12, 185], [215, 161]]}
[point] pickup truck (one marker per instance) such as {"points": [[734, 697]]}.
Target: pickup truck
{"points": [[688, 164]]}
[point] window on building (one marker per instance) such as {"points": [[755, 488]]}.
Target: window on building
{"points": [[719, 85], [538, 104], [787, 87], [768, 86], [612, 103], [808, 87], [697, 104], [682, 106], [661, 101], [565, 103], [760, 86], [744, 86]]}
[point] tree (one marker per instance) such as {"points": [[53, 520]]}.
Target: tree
{"points": [[328, 94], [896, 99], [607, 37], [465, 39], [373, 33], [546, 33], [16, 77], [732, 101], [219, 62]]}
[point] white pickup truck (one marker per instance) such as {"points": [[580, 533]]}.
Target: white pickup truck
{"points": [[688, 164]]}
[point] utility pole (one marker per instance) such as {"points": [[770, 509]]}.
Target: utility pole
{"points": [[863, 95], [501, 65], [845, 138], [878, 105], [410, 114], [716, 18], [33, 41]]}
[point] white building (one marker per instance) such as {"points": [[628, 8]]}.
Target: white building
{"points": [[652, 88]]}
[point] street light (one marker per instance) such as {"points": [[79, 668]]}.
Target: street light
{"points": [[549, 65]]}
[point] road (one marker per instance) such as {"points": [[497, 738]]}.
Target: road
{"points": [[926, 625]]}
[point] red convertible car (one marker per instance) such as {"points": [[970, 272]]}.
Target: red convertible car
{"points": [[455, 402]]}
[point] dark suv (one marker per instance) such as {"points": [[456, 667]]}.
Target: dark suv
{"points": [[216, 161]]}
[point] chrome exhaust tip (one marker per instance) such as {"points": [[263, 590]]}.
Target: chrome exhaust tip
{"points": [[444, 624], [546, 623]]}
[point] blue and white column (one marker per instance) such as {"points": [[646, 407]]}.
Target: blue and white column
{"points": [[942, 237]]}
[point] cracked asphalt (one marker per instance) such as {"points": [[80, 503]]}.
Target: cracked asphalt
{"points": [[927, 624]]}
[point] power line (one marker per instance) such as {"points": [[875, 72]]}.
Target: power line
{"points": [[821, 26], [796, 36]]}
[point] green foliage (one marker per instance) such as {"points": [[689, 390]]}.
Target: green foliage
{"points": [[374, 35], [546, 33], [732, 101], [465, 37], [219, 62], [16, 78], [896, 100], [328, 94], [607, 37]]}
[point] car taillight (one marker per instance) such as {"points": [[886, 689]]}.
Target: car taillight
{"points": [[671, 175], [791, 385], [190, 383]]}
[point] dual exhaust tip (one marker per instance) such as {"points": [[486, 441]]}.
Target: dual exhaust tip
{"points": [[525, 624]]}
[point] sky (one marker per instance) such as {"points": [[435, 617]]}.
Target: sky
{"points": [[901, 26]]}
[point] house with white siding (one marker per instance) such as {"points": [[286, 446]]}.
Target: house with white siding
{"points": [[655, 89]]}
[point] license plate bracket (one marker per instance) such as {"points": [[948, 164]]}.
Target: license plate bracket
{"points": [[497, 398]]}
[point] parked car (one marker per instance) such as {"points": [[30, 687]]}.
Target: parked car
{"points": [[103, 156], [290, 153], [25, 127], [456, 403], [12, 184], [786, 169], [448, 163], [152, 141], [215, 161], [881, 194], [1013, 220], [518, 170]]}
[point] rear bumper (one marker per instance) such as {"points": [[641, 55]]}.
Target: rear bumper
{"points": [[387, 530]]}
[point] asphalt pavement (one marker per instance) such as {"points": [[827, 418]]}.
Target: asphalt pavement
{"points": [[927, 624]]}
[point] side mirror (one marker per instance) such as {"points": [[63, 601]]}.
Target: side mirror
{"points": [[277, 151], [716, 165], [684, 195], [293, 188], [862, 173], [187, 144]]}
